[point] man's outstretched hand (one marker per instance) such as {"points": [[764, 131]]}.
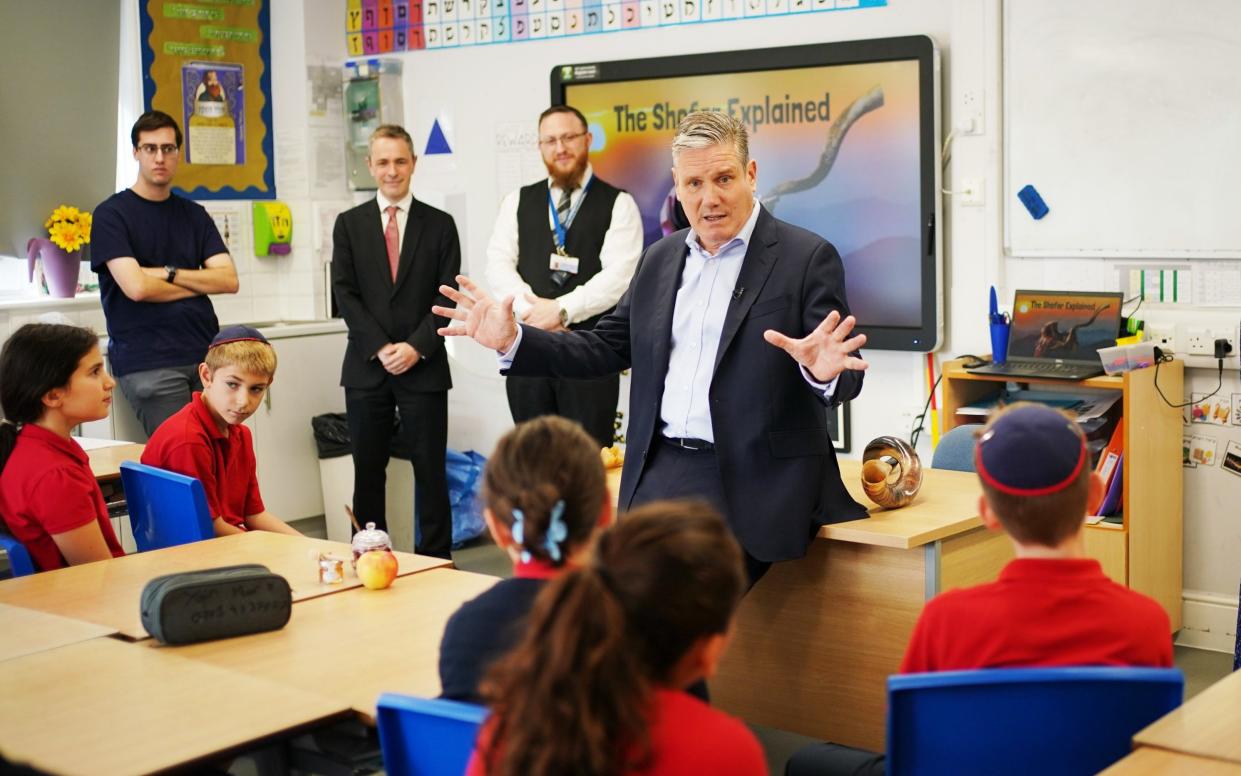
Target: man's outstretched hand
{"points": [[487, 322], [826, 351]]}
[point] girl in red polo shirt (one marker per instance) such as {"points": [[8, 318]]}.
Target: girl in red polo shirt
{"points": [[52, 378], [545, 493], [594, 685]]}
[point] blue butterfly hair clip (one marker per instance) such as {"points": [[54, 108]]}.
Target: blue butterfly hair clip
{"points": [[557, 532]]}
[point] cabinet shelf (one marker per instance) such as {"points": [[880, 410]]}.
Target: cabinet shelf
{"points": [[1145, 551]]}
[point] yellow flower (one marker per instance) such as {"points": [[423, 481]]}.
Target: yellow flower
{"points": [[69, 227]]}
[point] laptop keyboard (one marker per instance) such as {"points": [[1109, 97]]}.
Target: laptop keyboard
{"points": [[1044, 369]]}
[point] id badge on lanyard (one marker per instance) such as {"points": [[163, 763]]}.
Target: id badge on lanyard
{"points": [[561, 264]]}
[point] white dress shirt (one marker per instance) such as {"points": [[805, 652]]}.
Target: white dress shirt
{"points": [[402, 216], [701, 305], [622, 245]]}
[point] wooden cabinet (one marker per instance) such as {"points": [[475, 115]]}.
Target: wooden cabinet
{"points": [[1144, 552]]}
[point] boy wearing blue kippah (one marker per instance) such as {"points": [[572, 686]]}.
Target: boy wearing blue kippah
{"points": [[207, 440], [1052, 605]]}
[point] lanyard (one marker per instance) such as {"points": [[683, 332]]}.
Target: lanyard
{"points": [[568, 221]]}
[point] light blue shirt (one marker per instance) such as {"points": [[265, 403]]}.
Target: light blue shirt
{"points": [[707, 285]]}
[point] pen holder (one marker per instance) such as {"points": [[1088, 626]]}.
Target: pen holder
{"points": [[999, 342]]}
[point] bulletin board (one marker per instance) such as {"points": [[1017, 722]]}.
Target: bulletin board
{"points": [[1125, 116], [207, 64], [383, 26]]}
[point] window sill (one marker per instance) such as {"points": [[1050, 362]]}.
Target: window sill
{"points": [[21, 302]]}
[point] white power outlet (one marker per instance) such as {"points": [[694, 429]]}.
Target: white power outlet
{"points": [[972, 192], [1164, 337], [1199, 342], [970, 112]]}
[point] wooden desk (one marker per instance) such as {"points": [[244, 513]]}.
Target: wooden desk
{"points": [[1148, 761], [26, 631], [817, 638], [105, 462], [107, 707], [353, 647], [1208, 725], [107, 592]]}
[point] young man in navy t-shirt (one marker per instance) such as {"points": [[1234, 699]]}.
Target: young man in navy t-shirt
{"points": [[158, 256]]}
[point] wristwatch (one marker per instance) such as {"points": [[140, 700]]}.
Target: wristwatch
{"points": [[564, 317], [172, 273]]}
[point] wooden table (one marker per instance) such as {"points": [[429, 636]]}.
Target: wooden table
{"points": [[26, 631], [105, 462], [354, 646], [108, 707], [1148, 761], [817, 638], [1208, 725], [108, 592]]}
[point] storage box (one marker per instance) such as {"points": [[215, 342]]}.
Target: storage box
{"points": [[1124, 358]]}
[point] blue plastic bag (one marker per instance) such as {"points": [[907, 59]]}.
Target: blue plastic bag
{"points": [[465, 479]]}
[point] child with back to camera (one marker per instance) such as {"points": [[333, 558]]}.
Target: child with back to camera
{"points": [[545, 493], [594, 687]]}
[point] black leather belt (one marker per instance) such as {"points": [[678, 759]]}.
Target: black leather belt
{"points": [[688, 443]]}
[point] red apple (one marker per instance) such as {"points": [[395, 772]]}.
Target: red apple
{"points": [[377, 569]]}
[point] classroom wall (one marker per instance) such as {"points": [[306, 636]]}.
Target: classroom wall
{"points": [[473, 91]]}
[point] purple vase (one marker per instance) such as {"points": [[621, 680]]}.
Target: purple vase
{"points": [[60, 268]]}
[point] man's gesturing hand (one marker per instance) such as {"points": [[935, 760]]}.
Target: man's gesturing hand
{"points": [[487, 322], [824, 352]]}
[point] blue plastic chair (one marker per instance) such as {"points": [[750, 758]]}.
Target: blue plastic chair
{"points": [[1023, 720], [20, 563], [956, 449], [1236, 650], [423, 737], [165, 508]]}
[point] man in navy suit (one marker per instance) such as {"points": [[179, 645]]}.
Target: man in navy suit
{"points": [[389, 255], [716, 410]]}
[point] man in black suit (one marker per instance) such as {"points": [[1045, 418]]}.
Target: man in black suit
{"points": [[715, 411], [389, 255]]}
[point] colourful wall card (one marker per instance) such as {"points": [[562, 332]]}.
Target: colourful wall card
{"points": [[382, 26], [1232, 459], [206, 63], [1201, 450], [1212, 409]]}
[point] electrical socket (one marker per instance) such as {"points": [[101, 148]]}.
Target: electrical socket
{"points": [[1199, 342], [1164, 337], [972, 192], [969, 121]]}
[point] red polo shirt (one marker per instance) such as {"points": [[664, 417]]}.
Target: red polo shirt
{"points": [[190, 443], [47, 488], [1041, 612]]}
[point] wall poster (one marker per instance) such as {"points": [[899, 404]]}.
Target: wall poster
{"points": [[207, 64]]}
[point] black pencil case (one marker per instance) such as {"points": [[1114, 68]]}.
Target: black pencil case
{"points": [[217, 603]]}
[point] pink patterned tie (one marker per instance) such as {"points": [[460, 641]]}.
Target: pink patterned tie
{"points": [[393, 239]]}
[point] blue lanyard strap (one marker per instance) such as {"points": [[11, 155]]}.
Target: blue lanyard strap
{"points": [[560, 229]]}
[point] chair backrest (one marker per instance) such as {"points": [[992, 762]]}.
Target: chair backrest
{"points": [[425, 737], [956, 449], [165, 508], [20, 563], [1236, 651], [1023, 720]]}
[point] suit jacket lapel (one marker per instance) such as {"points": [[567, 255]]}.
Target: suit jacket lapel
{"points": [[760, 257], [413, 230]]}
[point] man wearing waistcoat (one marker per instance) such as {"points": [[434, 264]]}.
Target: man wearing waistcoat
{"points": [[565, 248]]}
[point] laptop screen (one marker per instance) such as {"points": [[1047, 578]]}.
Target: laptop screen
{"points": [[1066, 325]]}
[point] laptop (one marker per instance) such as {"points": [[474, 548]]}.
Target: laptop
{"points": [[1057, 334]]}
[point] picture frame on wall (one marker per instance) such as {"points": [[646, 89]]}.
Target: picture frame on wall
{"points": [[838, 427]]}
